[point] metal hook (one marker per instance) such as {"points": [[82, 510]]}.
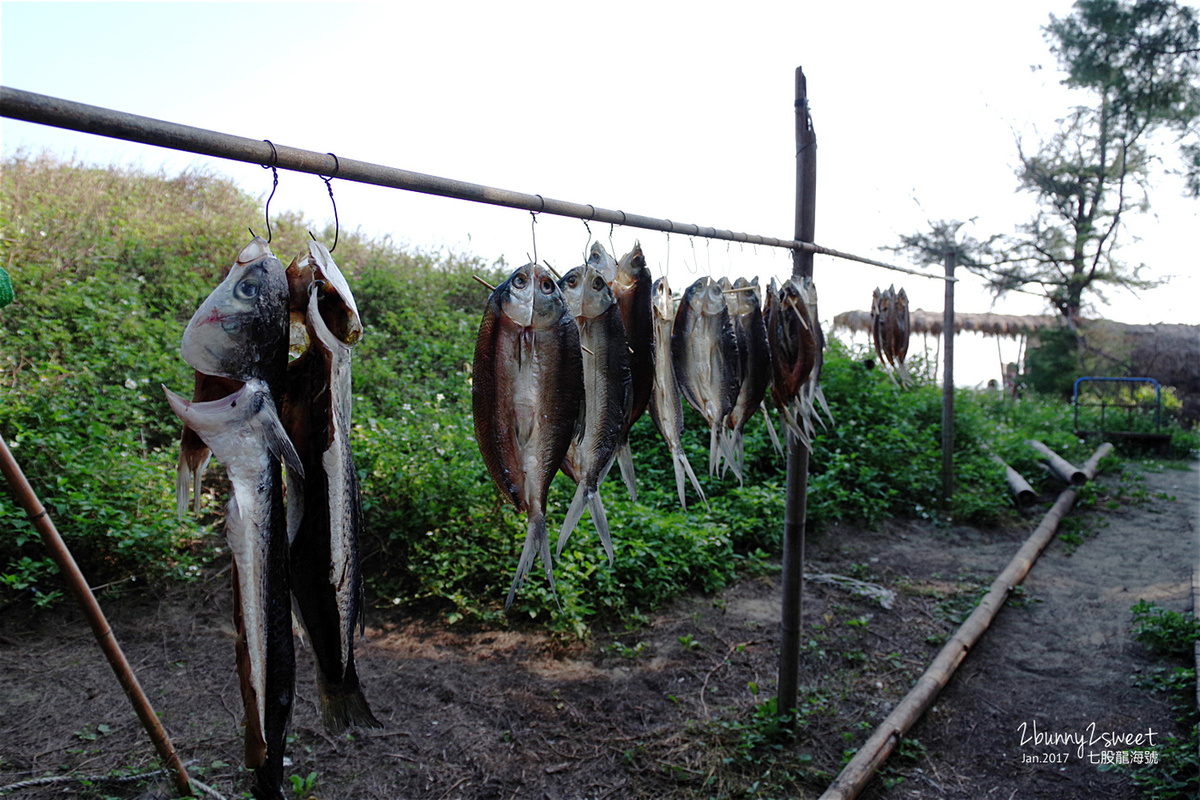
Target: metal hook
{"points": [[533, 231], [274, 184], [337, 167]]}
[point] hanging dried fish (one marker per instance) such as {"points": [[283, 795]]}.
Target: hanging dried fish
{"points": [[704, 350], [796, 355], [607, 395], [240, 332], [324, 506], [666, 407], [599, 260], [527, 395], [632, 289], [754, 363]]}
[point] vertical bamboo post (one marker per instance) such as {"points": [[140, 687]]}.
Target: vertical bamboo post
{"points": [[95, 616], [797, 464], [948, 387]]}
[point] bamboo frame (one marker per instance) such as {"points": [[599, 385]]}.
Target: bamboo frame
{"points": [[1018, 487], [855, 776], [95, 616], [59, 113]]}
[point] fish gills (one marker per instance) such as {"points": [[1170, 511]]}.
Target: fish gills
{"points": [[666, 407], [325, 507], [527, 394], [607, 392], [194, 454]]}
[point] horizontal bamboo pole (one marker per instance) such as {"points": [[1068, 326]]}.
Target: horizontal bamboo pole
{"points": [[59, 113], [95, 616], [854, 777], [1062, 469], [1018, 487]]}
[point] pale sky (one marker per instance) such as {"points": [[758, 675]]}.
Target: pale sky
{"points": [[673, 110]]}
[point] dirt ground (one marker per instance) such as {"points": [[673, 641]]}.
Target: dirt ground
{"points": [[666, 710]]}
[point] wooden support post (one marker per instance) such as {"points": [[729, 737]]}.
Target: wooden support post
{"points": [[948, 387], [795, 502], [95, 617]]}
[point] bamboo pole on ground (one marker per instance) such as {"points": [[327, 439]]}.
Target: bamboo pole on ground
{"points": [[1062, 469], [1018, 487], [795, 499], [95, 617], [854, 777]]}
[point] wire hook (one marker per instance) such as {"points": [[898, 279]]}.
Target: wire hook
{"points": [[533, 230], [274, 184], [337, 167]]}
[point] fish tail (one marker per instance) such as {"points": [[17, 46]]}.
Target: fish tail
{"points": [[574, 514], [678, 460], [625, 460], [728, 453], [771, 428], [820, 395], [537, 542], [681, 458], [343, 704], [600, 519]]}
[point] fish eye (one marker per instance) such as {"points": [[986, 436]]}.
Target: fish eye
{"points": [[597, 283], [547, 286], [519, 281], [246, 289], [572, 281]]}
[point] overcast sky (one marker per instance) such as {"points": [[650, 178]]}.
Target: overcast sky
{"points": [[675, 110]]}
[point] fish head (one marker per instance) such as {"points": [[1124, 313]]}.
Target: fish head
{"points": [[712, 297], [587, 294], [531, 298], [598, 258], [630, 267], [742, 297], [661, 300], [336, 301], [571, 285], [239, 327]]}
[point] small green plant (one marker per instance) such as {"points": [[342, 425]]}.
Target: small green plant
{"points": [[302, 786], [689, 642], [625, 651], [1164, 631]]}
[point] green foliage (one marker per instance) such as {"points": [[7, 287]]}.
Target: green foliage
{"points": [[1164, 631], [1176, 773], [1052, 367]]}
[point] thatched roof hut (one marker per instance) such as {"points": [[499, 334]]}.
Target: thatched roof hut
{"points": [[932, 321]]}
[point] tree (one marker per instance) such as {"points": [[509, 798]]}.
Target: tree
{"points": [[1138, 63]]}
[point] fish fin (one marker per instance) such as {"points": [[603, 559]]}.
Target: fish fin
{"points": [[727, 452], [280, 444], [574, 514], [536, 543], [625, 461], [343, 704], [820, 396], [600, 519], [681, 457], [678, 460], [714, 448]]}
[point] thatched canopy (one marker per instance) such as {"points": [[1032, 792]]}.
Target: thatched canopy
{"points": [[932, 321]]}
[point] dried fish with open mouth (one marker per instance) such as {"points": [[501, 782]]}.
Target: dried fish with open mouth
{"points": [[607, 395], [527, 393]]}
